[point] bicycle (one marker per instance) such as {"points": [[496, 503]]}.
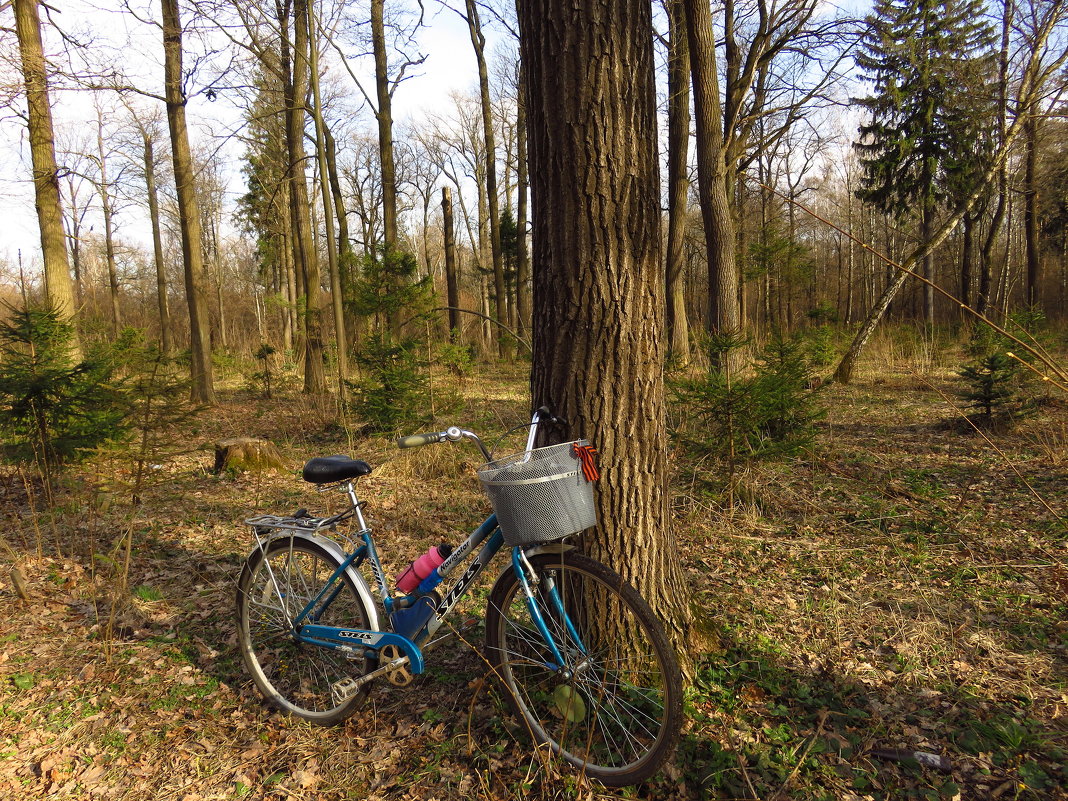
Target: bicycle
{"points": [[583, 661]]}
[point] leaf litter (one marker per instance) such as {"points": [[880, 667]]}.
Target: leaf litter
{"points": [[894, 593]]}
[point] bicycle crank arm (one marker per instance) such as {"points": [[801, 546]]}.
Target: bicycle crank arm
{"points": [[348, 687]]}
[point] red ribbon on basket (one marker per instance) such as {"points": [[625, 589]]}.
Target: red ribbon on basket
{"points": [[586, 454]]}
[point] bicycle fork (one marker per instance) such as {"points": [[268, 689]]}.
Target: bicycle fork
{"points": [[530, 581]]}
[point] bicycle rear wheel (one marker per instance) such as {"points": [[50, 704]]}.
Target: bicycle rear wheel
{"points": [[312, 682], [614, 708]]}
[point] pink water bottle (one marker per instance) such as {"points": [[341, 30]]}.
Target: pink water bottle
{"points": [[423, 567]]}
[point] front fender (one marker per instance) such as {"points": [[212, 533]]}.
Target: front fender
{"points": [[549, 547]]}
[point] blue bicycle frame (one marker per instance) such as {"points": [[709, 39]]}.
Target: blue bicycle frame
{"points": [[356, 642]]}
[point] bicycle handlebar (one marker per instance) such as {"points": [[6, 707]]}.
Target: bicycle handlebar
{"points": [[418, 440], [455, 434]]}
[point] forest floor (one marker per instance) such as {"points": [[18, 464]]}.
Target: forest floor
{"points": [[900, 588]]}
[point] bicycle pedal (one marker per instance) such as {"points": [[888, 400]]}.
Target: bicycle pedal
{"points": [[345, 688]]}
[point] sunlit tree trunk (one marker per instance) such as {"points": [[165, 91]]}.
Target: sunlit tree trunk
{"points": [[1032, 246], [725, 316], [678, 181], [478, 41], [986, 256], [384, 115], [305, 263], [163, 304], [58, 285], [328, 208], [202, 385], [104, 190]]}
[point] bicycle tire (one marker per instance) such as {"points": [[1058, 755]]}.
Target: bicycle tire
{"points": [[276, 583], [618, 717]]}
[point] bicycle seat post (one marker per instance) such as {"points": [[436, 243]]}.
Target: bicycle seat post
{"points": [[351, 490]]}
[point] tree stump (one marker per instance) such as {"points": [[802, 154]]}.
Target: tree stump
{"points": [[245, 454]]}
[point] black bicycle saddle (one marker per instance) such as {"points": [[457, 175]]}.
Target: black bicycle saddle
{"points": [[328, 469]]}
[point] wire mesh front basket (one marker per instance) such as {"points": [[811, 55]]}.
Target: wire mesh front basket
{"points": [[540, 495]]}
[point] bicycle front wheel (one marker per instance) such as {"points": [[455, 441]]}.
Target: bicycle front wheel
{"points": [[613, 708], [312, 682]]}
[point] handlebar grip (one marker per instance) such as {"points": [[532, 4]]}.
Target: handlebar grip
{"points": [[418, 440]]}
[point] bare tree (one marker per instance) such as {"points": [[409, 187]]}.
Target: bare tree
{"points": [[105, 187], [202, 386], [713, 175], [478, 42], [77, 189], [149, 129], [779, 56], [452, 273]]}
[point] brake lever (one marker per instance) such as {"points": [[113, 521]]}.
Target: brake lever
{"points": [[544, 415]]}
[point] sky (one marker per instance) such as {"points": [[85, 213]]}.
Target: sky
{"points": [[120, 39]]}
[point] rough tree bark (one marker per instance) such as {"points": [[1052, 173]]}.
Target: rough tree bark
{"points": [[202, 388], [598, 276], [58, 286]]}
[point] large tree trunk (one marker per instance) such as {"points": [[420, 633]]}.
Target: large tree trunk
{"points": [[478, 41], [452, 273], [333, 259], [725, 315], [203, 386], [163, 304], [598, 275], [58, 285], [305, 261], [678, 181]]}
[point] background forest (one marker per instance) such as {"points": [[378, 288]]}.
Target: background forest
{"points": [[924, 123], [309, 222]]}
